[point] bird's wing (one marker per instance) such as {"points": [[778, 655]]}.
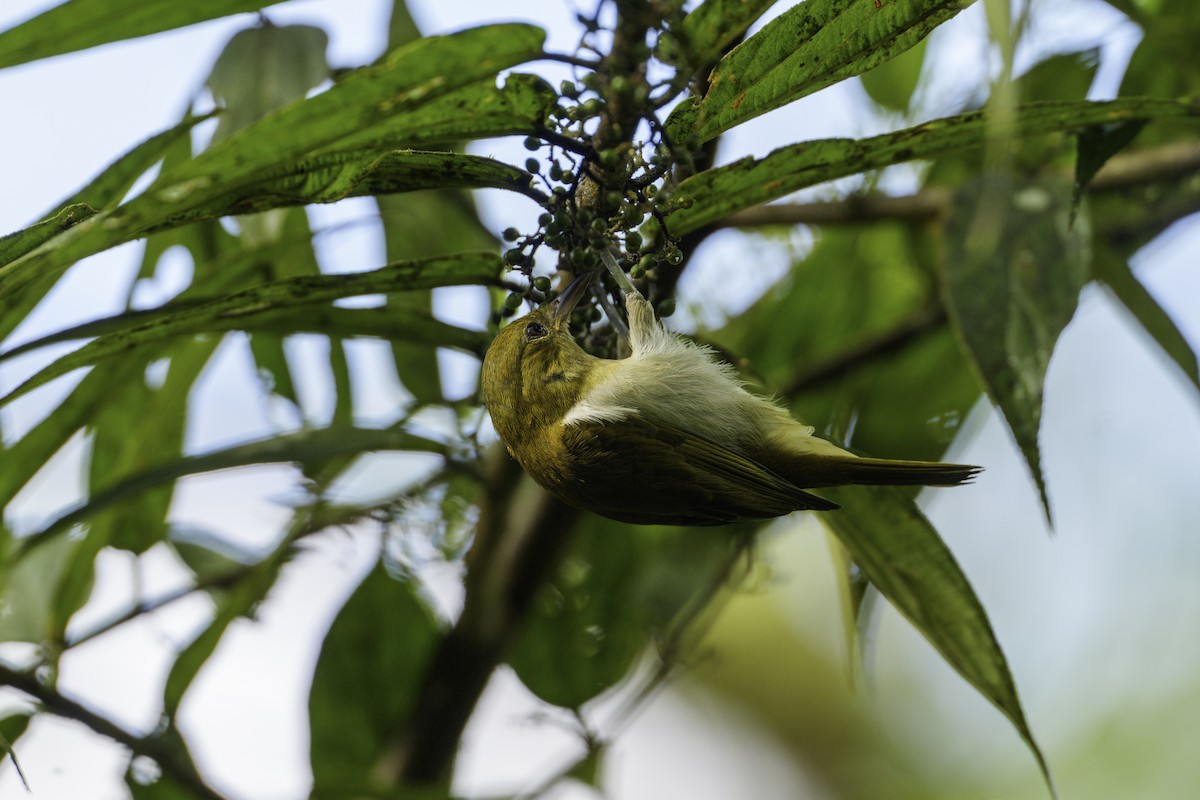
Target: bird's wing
{"points": [[647, 472]]}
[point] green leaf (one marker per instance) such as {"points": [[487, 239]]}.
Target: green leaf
{"points": [[720, 192], [408, 78], [80, 24], [875, 347], [892, 84], [17, 244], [335, 176], [812, 45], [588, 623], [28, 593], [237, 601], [144, 429], [472, 112], [903, 556], [12, 727], [1114, 271], [715, 24], [104, 191], [269, 149], [240, 309], [371, 665], [1013, 269], [263, 68], [304, 446], [1097, 145]]}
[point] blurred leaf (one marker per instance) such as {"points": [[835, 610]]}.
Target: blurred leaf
{"points": [[903, 556], [892, 84], [263, 68], [277, 261], [1161, 64], [715, 24], [12, 727], [1013, 269], [1114, 271], [370, 668], [1096, 145], [135, 435], [810, 46], [28, 591], [235, 310], [209, 556], [419, 225], [237, 601], [874, 347], [80, 24], [303, 446], [588, 623], [717, 193]]}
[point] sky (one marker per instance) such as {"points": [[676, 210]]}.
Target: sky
{"points": [[1089, 616]]}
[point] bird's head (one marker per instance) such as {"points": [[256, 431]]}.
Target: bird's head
{"points": [[534, 370]]}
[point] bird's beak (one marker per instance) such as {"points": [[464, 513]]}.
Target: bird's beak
{"points": [[571, 296]]}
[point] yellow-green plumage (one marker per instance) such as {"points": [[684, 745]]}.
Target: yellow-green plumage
{"points": [[666, 436]]}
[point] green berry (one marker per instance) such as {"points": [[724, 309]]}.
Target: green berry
{"points": [[511, 234], [514, 256], [542, 283], [675, 257], [667, 307], [533, 165], [568, 89], [544, 220], [633, 241], [514, 300], [532, 143]]}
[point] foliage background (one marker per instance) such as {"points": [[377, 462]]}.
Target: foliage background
{"points": [[1094, 621]]}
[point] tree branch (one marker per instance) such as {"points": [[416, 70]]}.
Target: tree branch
{"points": [[167, 750]]}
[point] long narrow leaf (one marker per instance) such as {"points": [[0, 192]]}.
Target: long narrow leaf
{"points": [[714, 24], [1012, 267], [812, 45], [80, 24], [26, 240], [472, 112], [720, 192], [330, 177], [1116, 274], [224, 313], [294, 447], [409, 78], [903, 556]]}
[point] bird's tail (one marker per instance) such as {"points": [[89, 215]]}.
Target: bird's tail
{"points": [[815, 472]]}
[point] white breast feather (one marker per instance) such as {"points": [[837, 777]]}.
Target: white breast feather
{"points": [[680, 383]]}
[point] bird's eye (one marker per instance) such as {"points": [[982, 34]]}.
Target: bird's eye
{"points": [[535, 330]]}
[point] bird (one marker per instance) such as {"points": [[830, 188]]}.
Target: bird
{"points": [[668, 435]]}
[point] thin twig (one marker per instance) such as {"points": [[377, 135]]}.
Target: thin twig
{"points": [[168, 751]]}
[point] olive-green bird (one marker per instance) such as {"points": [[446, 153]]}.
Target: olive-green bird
{"points": [[666, 436]]}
